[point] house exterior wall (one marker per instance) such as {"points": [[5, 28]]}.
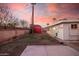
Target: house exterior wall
{"points": [[68, 33], [64, 31], [57, 31], [74, 33], [60, 31]]}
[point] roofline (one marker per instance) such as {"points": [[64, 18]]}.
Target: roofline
{"points": [[64, 22]]}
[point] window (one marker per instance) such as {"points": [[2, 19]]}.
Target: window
{"points": [[73, 26]]}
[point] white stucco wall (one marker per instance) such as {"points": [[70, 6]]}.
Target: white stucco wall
{"points": [[60, 31], [56, 31], [65, 32], [74, 33]]}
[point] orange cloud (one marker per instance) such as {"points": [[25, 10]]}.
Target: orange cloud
{"points": [[52, 7], [64, 10]]}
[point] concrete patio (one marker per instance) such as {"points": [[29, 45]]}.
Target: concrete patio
{"points": [[49, 50]]}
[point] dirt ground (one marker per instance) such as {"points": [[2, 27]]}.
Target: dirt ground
{"points": [[16, 47]]}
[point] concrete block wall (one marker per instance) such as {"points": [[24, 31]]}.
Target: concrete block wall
{"points": [[7, 34]]}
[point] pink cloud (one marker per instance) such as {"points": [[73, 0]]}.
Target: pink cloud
{"points": [[17, 6], [43, 19]]}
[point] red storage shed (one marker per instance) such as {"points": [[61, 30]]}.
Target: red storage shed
{"points": [[37, 29]]}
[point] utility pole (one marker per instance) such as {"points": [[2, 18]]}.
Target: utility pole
{"points": [[32, 23]]}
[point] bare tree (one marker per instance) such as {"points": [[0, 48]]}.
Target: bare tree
{"points": [[23, 23], [5, 15]]}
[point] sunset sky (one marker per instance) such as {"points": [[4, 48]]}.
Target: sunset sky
{"points": [[44, 12]]}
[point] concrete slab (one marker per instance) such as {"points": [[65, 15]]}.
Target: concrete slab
{"points": [[49, 50], [61, 51], [34, 50]]}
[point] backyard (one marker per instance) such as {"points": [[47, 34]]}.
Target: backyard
{"points": [[16, 47]]}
